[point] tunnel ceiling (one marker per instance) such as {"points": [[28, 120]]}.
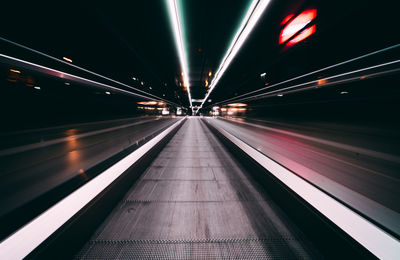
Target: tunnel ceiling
{"points": [[134, 39]]}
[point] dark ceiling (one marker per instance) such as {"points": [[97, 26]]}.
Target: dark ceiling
{"points": [[125, 39]]}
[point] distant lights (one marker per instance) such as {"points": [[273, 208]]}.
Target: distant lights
{"points": [[36, 87], [344, 92], [210, 73], [67, 59], [237, 105], [15, 71], [67, 83], [108, 92], [321, 81], [141, 83], [134, 78], [262, 75], [280, 95], [148, 103]]}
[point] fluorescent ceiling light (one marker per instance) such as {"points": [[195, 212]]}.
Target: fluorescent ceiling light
{"points": [[173, 10], [253, 14]]}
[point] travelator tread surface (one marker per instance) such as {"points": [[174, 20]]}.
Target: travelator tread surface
{"points": [[196, 202]]}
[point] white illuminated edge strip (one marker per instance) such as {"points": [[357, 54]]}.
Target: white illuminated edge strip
{"points": [[30, 236], [253, 14], [177, 26], [374, 239]]}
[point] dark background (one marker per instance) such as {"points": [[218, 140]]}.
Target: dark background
{"points": [[125, 39]]}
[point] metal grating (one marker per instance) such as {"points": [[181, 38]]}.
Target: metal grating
{"points": [[251, 248]]}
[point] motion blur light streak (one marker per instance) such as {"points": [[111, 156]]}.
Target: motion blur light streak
{"points": [[77, 67], [296, 25], [323, 81], [177, 28], [253, 14], [314, 72], [71, 77], [67, 59]]}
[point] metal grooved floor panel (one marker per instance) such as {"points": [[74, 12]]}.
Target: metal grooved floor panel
{"points": [[196, 202]]}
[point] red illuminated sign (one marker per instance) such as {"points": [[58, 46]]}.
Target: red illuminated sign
{"points": [[297, 24]]}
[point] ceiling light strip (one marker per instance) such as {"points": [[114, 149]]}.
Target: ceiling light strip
{"points": [[253, 14], [173, 10]]}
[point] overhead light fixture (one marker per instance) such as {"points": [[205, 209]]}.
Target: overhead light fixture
{"points": [[15, 71], [173, 10], [253, 14], [67, 59]]}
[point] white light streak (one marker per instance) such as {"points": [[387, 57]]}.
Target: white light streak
{"points": [[253, 14], [67, 59], [177, 28]]}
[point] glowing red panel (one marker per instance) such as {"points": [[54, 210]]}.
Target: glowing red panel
{"points": [[304, 34], [297, 24], [287, 18]]}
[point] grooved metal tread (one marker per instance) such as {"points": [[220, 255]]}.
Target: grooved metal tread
{"points": [[196, 202], [246, 248]]}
